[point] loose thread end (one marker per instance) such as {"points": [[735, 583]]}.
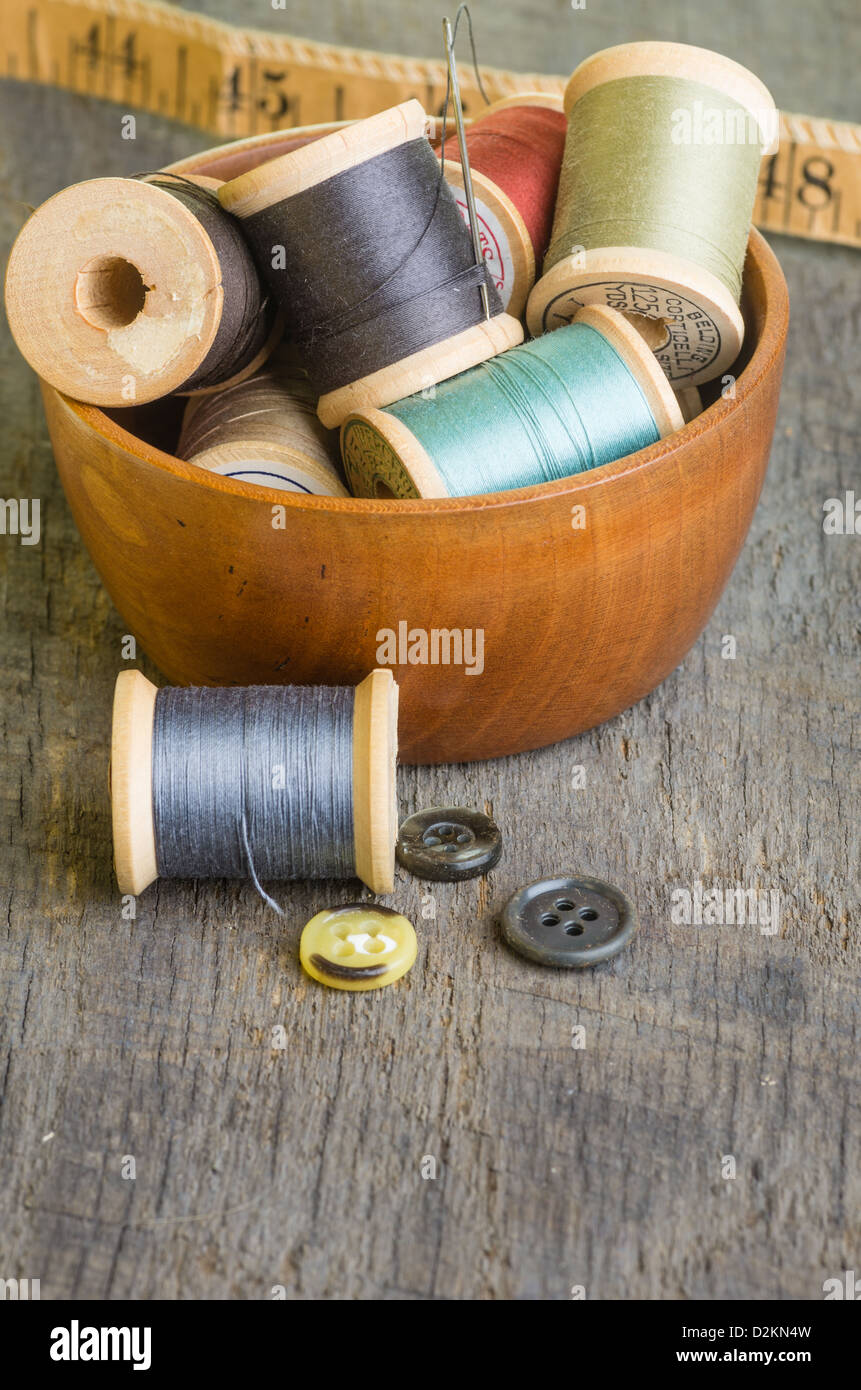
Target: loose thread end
{"points": [[252, 872]]}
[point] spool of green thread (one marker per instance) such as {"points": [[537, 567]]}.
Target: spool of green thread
{"points": [[655, 200], [560, 405]]}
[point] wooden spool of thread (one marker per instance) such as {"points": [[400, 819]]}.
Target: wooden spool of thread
{"points": [[515, 152], [655, 199], [121, 291], [264, 431], [362, 244], [194, 796], [566, 402]]}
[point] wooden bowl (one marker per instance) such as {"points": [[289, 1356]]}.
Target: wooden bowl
{"points": [[578, 622]]}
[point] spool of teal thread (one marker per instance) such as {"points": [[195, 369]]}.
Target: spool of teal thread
{"points": [[569, 401]]}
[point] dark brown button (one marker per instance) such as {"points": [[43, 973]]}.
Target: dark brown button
{"points": [[448, 843], [571, 922]]}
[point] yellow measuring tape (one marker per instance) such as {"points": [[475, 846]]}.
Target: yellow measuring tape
{"points": [[238, 82]]}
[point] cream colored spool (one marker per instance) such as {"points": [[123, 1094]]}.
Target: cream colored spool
{"points": [[392, 462], [304, 168], [690, 402], [266, 464], [508, 250], [375, 748], [114, 293], [264, 431], [698, 326]]}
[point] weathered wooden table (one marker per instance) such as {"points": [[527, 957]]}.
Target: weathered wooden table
{"points": [[299, 1158]]}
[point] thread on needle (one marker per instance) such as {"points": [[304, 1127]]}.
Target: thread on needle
{"points": [[452, 92]]}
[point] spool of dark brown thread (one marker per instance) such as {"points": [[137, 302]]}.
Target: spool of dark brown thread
{"points": [[361, 241], [121, 291]]}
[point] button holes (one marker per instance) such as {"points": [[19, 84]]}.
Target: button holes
{"points": [[449, 844], [376, 945], [344, 949], [445, 831], [342, 933], [568, 921]]}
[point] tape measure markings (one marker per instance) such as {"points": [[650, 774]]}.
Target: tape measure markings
{"points": [[810, 187], [236, 83]]}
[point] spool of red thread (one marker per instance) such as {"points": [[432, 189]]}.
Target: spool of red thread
{"points": [[515, 153]]}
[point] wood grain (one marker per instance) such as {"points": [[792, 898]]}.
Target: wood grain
{"points": [[601, 1167]]}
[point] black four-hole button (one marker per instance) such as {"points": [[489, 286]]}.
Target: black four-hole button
{"points": [[569, 921]]}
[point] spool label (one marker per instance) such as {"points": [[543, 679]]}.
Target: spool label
{"points": [[373, 468], [693, 343], [494, 245]]}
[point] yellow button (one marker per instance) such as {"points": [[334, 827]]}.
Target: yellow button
{"points": [[358, 946]]}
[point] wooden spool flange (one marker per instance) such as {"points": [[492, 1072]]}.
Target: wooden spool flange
{"points": [[690, 402], [114, 292]]}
